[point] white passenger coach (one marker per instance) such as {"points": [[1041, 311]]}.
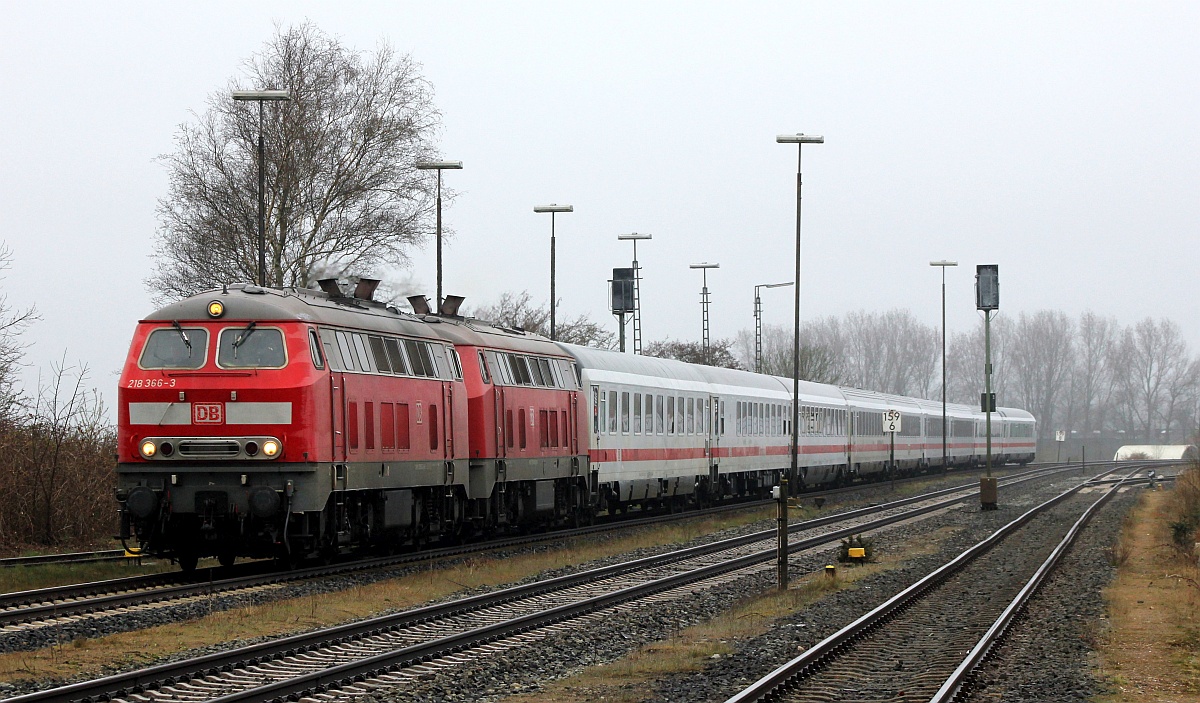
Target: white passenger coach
{"points": [[666, 431]]}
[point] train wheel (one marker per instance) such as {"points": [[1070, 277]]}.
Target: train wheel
{"points": [[187, 560], [226, 558]]}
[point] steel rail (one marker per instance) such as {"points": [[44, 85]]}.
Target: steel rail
{"points": [[69, 558], [813, 657], [174, 672], [960, 677]]}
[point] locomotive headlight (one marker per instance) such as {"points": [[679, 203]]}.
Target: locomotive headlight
{"points": [[270, 448], [216, 308], [148, 449]]}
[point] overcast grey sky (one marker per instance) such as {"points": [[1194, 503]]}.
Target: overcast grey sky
{"points": [[1058, 140]]}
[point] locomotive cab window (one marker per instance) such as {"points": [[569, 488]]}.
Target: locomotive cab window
{"points": [[251, 347], [314, 348], [172, 348]]}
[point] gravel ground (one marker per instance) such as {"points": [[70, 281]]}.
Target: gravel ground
{"points": [[524, 670], [1047, 655]]}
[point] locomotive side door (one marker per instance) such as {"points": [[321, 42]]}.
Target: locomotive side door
{"points": [[448, 429]]}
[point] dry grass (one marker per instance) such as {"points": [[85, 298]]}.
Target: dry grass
{"points": [[635, 676], [24, 578], [296, 615], [1151, 649]]}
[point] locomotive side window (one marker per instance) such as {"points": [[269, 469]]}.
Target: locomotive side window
{"points": [[360, 353], [535, 371], [343, 342], [251, 347], [547, 375], [455, 363], [170, 348], [329, 343], [396, 357], [380, 354], [314, 348], [483, 369], [415, 358], [431, 362]]}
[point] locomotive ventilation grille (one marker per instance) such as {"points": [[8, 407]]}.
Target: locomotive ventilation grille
{"points": [[209, 448]]}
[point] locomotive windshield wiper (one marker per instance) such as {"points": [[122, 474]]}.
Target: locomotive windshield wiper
{"points": [[241, 338], [182, 335]]}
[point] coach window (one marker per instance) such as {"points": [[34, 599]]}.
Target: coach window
{"points": [[649, 414], [658, 414], [625, 412], [612, 412], [172, 348], [670, 414], [691, 415], [395, 357], [637, 413], [680, 416], [602, 413], [314, 349], [245, 347], [380, 354]]}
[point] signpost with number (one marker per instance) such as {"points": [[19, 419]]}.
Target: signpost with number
{"points": [[1060, 436], [891, 425]]}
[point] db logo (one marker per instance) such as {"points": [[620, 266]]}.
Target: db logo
{"points": [[208, 413]]}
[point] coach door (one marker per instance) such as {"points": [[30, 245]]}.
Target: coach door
{"points": [[712, 444]]}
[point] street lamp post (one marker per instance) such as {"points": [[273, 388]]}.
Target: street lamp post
{"points": [[439, 166], [262, 96], [799, 140], [704, 267], [553, 209], [637, 288], [943, 264], [758, 321]]}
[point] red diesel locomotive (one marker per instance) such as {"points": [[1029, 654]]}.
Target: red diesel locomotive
{"points": [[292, 423]]}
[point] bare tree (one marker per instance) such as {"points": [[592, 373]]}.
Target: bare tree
{"points": [[12, 324], [891, 352], [518, 310], [343, 196], [964, 363], [1040, 355], [1091, 380], [719, 353], [1149, 360], [817, 363]]}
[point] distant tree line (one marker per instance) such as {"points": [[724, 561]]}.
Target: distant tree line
{"points": [[1086, 374]]}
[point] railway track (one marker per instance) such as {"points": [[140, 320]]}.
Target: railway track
{"points": [[390, 649], [69, 558], [910, 647], [55, 606]]}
